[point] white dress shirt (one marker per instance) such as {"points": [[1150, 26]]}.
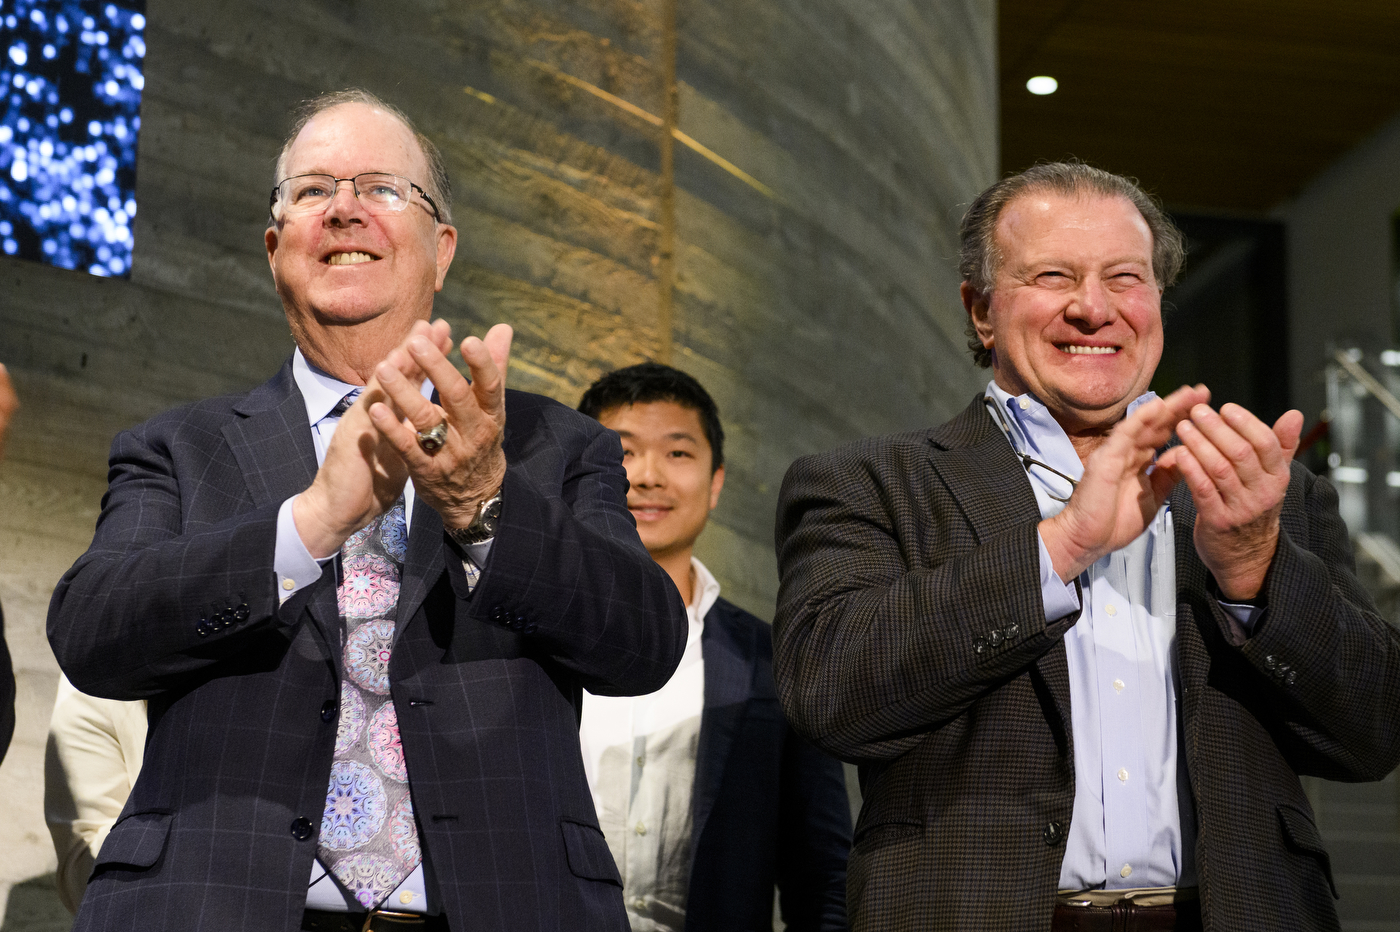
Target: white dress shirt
{"points": [[639, 757]]}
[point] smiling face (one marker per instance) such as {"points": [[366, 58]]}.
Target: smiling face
{"points": [[347, 271], [667, 459], [1075, 316]]}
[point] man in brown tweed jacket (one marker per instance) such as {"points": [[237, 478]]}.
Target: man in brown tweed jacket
{"points": [[1081, 673]]}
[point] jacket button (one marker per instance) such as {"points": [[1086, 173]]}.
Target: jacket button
{"points": [[1291, 678], [996, 637], [529, 629], [241, 612], [328, 711], [1053, 833], [979, 645], [301, 828], [1012, 630], [202, 629], [1270, 663]]}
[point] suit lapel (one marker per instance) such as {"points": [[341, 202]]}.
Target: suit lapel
{"points": [[728, 652], [422, 564], [975, 461], [272, 444]]}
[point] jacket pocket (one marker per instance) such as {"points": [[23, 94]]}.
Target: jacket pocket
{"points": [[878, 834], [588, 853], [1302, 837], [136, 841]]}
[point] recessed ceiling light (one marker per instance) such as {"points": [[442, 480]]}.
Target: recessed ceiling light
{"points": [[1042, 85]]}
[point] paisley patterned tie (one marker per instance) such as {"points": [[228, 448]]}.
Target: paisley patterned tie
{"points": [[368, 836]]}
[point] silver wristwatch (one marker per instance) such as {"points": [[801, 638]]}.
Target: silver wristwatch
{"points": [[483, 526]]}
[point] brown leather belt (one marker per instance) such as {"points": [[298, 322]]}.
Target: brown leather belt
{"points": [[321, 920], [1128, 917]]}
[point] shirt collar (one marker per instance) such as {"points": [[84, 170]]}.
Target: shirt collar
{"points": [[1034, 429], [1014, 405], [321, 392], [706, 589]]}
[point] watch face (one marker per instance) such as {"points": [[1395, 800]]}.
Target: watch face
{"points": [[483, 526]]}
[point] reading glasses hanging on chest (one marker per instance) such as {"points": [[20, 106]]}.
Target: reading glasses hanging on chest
{"points": [[1026, 459]]}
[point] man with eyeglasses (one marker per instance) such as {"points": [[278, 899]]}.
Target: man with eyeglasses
{"points": [[1082, 671], [363, 600]]}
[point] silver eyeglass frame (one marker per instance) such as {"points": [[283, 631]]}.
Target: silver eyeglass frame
{"points": [[355, 188], [1026, 459]]}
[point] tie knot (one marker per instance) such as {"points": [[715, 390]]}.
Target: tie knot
{"points": [[345, 403]]}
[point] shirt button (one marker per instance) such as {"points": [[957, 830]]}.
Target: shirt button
{"points": [[1119, 685], [289, 584], [406, 897], [1111, 610], [639, 904], [641, 760], [640, 829], [1123, 778], [1025, 405], [1126, 871]]}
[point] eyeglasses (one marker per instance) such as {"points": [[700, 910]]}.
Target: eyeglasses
{"points": [[1026, 459], [378, 191]]}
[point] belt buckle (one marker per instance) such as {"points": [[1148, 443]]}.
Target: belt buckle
{"points": [[407, 919]]}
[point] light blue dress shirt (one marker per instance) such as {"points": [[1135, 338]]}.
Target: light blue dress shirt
{"points": [[1133, 824]]}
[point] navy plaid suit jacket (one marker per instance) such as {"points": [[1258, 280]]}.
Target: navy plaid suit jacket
{"points": [[899, 555], [175, 602]]}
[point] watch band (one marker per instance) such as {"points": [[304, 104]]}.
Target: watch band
{"points": [[483, 526]]}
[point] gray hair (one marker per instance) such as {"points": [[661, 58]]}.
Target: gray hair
{"points": [[979, 259], [437, 184]]}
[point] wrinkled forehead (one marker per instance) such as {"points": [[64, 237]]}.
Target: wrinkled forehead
{"points": [[1044, 219], [354, 137]]}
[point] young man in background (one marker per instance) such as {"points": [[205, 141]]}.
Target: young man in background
{"points": [[706, 797]]}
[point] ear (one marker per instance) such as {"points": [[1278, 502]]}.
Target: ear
{"points": [[716, 484], [446, 249], [270, 240], [979, 309]]}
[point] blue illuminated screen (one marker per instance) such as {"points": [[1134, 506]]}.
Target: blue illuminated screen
{"points": [[71, 76]]}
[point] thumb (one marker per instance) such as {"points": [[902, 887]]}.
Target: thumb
{"points": [[498, 340], [1163, 478], [1288, 429]]}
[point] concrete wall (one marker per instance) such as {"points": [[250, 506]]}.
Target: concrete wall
{"points": [[1340, 270], [815, 285]]}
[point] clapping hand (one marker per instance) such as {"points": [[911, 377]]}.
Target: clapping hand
{"points": [[1118, 494], [1237, 468]]}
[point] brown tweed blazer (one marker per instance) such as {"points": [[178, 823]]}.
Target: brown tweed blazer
{"points": [[900, 555]]}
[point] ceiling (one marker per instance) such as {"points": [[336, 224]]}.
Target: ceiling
{"points": [[1216, 105]]}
